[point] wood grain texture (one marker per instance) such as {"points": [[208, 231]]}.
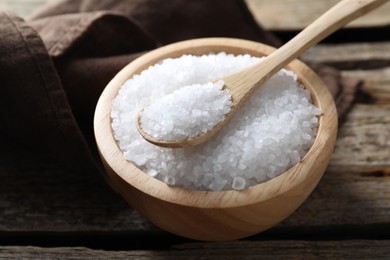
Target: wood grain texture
{"points": [[368, 61], [297, 14], [368, 126], [37, 194], [351, 56], [288, 249], [377, 83]]}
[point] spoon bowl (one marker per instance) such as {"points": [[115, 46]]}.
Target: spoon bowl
{"points": [[222, 215]]}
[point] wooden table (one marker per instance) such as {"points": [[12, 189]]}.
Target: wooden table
{"points": [[47, 212]]}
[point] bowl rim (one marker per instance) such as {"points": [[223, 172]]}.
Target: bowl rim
{"points": [[114, 158]]}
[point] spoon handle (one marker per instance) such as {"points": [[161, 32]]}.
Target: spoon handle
{"points": [[336, 17]]}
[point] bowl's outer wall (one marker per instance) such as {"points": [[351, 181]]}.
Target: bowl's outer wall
{"points": [[210, 224]]}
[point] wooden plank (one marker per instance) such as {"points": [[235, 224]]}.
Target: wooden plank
{"points": [[287, 249], [283, 15], [377, 83], [363, 141], [36, 194], [351, 56], [355, 189], [368, 61], [291, 249]]}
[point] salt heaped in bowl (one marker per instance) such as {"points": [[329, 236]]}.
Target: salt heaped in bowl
{"points": [[271, 133]]}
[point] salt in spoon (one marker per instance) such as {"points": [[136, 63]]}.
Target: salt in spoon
{"points": [[242, 84]]}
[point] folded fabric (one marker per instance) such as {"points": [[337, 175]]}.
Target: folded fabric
{"points": [[54, 66]]}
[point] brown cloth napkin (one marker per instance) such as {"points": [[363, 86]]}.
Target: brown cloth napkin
{"points": [[54, 66]]}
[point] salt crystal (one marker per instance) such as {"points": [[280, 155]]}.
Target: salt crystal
{"points": [[170, 180], [242, 166], [238, 183], [267, 135], [217, 167], [306, 124], [151, 172]]}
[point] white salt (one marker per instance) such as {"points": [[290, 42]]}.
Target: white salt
{"points": [[268, 135], [238, 183], [187, 112]]}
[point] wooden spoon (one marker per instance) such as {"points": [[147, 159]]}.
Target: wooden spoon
{"points": [[241, 85]]}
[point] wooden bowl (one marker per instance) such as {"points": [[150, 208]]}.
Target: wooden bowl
{"points": [[223, 215]]}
